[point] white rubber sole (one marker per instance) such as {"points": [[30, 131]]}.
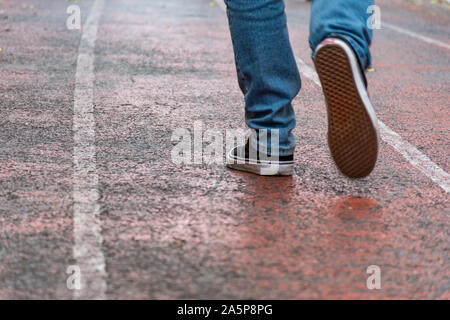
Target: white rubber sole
{"points": [[353, 136], [262, 168]]}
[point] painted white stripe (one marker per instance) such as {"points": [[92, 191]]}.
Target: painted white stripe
{"points": [[87, 249], [415, 35], [408, 151], [308, 71], [221, 4], [416, 158]]}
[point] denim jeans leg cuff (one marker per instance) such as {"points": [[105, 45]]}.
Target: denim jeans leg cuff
{"points": [[281, 151]]}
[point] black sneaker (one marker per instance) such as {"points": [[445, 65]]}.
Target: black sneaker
{"points": [[246, 158], [353, 136]]}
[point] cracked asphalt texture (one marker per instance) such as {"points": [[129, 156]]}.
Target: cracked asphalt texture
{"points": [[201, 231]]}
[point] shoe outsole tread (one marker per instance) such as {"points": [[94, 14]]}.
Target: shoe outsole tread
{"points": [[352, 133]]}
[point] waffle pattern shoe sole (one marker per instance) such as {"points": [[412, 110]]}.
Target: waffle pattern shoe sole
{"points": [[353, 136]]}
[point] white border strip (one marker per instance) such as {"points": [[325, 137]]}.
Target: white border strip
{"points": [[416, 158], [408, 151], [415, 35], [221, 4], [87, 249]]}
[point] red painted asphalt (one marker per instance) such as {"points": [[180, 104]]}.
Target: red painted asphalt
{"points": [[202, 231]]}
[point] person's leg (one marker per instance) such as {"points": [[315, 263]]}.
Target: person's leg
{"points": [[340, 39], [267, 70], [345, 19]]}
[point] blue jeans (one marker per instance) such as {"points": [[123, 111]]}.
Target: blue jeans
{"points": [[266, 66]]}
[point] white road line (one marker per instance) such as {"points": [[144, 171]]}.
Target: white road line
{"points": [[308, 71], [221, 4], [408, 151], [415, 35], [87, 249], [416, 158]]}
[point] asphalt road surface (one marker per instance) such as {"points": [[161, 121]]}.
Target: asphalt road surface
{"points": [[87, 179]]}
